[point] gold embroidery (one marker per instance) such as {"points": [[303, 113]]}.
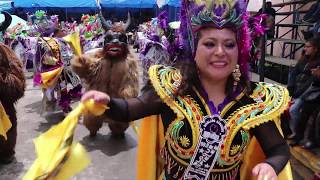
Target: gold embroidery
{"points": [[235, 149], [53, 45], [275, 102], [166, 80], [184, 141], [170, 156]]}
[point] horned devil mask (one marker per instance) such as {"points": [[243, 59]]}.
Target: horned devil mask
{"points": [[115, 42]]}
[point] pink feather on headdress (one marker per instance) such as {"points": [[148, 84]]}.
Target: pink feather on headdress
{"points": [[244, 44]]}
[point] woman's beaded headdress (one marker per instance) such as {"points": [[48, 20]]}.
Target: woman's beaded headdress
{"points": [[196, 14], [232, 14], [218, 12]]}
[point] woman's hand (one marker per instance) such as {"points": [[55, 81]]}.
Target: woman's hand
{"points": [[97, 96], [264, 172]]}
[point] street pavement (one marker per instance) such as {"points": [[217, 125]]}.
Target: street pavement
{"points": [[110, 158]]}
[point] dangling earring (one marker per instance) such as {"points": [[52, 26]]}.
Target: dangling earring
{"points": [[236, 75]]}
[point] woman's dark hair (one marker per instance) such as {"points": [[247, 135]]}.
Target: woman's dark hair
{"points": [[315, 42], [189, 72]]}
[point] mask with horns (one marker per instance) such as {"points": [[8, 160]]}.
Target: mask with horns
{"points": [[115, 43]]}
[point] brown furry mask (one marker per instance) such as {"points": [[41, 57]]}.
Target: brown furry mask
{"points": [[115, 45], [115, 42]]}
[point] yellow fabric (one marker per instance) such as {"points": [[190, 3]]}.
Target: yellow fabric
{"points": [[255, 155], [5, 123], [150, 142], [51, 77], [58, 157], [72, 166], [74, 40]]}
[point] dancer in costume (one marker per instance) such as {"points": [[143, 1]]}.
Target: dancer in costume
{"points": [[159, 46], [208, 115], [53, 64], [12, 86], [91, 32], [112, 70]]}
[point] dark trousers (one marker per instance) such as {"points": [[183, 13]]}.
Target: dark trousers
{"points": [[306, 124]]}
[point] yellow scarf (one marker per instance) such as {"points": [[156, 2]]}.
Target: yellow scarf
{"points": [[50, 78], [58, 157], [5, 123]]}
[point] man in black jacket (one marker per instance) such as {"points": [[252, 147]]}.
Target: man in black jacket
{"points": [[308, 96]]}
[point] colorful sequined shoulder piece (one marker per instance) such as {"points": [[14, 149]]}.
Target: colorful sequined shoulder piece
{"points": [[166, 80], [181, 144], [166, 77], [270, 102]]}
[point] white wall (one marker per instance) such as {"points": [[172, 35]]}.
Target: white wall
{"points": [[254, 5]]}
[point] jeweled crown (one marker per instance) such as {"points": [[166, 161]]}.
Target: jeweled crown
{"points": [[218, 13], [196, 14]]}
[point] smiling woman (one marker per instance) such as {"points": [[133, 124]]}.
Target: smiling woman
{"points": [[208, 115], [216, 56]]}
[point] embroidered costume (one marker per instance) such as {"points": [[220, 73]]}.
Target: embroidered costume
{"points": [[158, 45], [169, 142], [52, 62], [186, 136], [54, 73]]}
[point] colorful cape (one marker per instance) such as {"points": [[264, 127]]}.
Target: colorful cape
{"points": [[266, 103], [151, 140]]}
